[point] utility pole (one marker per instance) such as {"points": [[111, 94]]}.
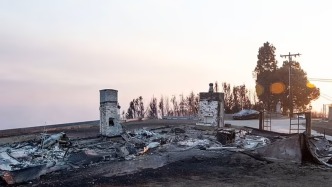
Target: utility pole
{"points": [[289, 80]]}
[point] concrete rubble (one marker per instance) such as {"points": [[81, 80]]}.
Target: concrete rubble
{"points": [[26, 161]]}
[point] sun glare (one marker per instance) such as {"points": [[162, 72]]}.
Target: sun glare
{"points": [[277, 88], [310, 85]]}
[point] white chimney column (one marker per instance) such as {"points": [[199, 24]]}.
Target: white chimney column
{"points": [[109, 115]]}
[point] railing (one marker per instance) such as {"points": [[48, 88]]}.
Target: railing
{"points": [[297, 126], [265, 120]]}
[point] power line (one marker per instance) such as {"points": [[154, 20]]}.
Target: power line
{"points": [[327, 98], [320, 80]]}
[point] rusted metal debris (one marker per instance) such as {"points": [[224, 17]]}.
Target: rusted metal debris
{"points": [[320, 150], [226, 136]]}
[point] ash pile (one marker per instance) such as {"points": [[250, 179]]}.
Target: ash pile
{"points": [[26, 161]]}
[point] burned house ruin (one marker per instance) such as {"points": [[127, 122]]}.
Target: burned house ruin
{"points": [[211, 108], [146, 144], [109, 113]]}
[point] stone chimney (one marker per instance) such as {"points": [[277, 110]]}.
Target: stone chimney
{"points": [[109, 115], [211, 88], [211, 108]]}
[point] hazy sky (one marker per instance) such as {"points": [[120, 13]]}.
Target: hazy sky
{"points": [[56, 55]]}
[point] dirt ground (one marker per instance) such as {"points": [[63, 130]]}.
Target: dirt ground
{"points": [[227, 169], [322, 126]]}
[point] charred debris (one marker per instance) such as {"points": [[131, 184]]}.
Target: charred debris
{"points": [[128, 150], [26, 161]]}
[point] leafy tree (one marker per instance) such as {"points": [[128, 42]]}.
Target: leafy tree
{"points": [[264, 71], [302, 92], [272, 83], [266, 59]]}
